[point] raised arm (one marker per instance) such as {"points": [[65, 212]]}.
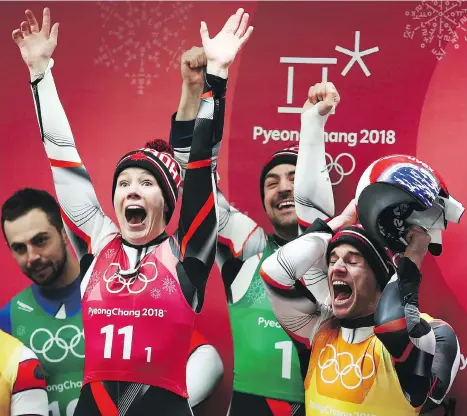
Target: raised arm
{"points": [[239, 237], [312, 188], [86, 224], [300, 263], [197, 231], [425, 351]]}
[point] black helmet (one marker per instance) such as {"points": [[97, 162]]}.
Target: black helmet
{"points": [[398, 191]]}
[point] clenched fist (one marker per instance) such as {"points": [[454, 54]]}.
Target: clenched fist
{"points": [[418, 241], [192, 63], [323, 94]]}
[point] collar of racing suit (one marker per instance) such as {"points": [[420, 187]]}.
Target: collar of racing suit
{"points": [[279, 241], [357, 330], [359, 322], [156, 241]]}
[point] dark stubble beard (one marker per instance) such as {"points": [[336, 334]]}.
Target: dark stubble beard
{"points": [[58, 268], [287, 231]]}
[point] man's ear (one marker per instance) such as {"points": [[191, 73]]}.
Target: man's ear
{"points": [[65, 236]]}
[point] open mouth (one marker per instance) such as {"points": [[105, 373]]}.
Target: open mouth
{"points": [[286, 204], [135, 214], [342, 291]]}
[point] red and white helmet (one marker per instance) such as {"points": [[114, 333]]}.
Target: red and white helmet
{"points": [[398, 191]]}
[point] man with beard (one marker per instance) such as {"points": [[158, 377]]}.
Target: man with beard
{"points": [[46, 316], [267, 377]]}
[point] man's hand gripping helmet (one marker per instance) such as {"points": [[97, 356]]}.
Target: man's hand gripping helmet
{"points": [[398, 191]]}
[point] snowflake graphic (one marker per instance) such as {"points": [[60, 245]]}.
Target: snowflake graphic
{"points": [[156, 293], [436, 23], [21, 330], [168, 285], [93, 280], [142, 40], [256, 292], [109, 253]]}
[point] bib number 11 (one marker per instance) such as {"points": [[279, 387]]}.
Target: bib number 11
{"points": [[127, 332], [286, 347]]}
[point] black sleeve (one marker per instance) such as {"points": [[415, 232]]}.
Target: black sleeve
{"points": [[181, 132], [445, 364], [197, 228], [405, 334]]}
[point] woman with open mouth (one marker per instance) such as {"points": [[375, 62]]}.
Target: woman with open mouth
{"points": [[141, 289]]}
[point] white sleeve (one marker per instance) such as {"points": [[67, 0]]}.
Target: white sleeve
{"points": [[312, 187], [204, 371], [85, 222], [301, 259]]}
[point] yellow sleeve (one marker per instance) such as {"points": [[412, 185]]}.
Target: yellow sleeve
{"points": [[10, 350]]}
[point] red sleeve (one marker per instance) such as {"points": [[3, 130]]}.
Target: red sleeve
{"points": [[30, 376]]}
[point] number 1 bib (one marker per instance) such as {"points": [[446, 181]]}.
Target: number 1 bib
{"points": [[266, 361]]}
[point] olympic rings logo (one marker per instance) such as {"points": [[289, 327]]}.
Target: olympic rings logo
{"points": [[112, 273], [56, 341], [356, 368], [334, 164]]}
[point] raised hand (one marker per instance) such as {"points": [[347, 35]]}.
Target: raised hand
{"points": [[418, 241], [221, 50], [349, 215], [346, 218], [192, 63], [36, 44], [325, 95]]}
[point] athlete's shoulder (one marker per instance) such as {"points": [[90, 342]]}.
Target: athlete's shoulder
{"points": [[10, 355], [8, 343], [432, 320], [328, 328], [29, 392], [20, 300], [109, 239], [441, 328], [30, 372], [249, 267], [22, 293]]}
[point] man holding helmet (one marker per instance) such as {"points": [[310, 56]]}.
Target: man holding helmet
{"points": [[398, 191], [372, 351]]}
